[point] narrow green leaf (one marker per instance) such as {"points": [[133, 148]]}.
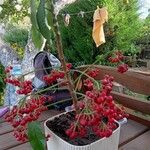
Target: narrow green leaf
{"points": [[49, 14], [41, 20], [36, 136], [36, 37], [33, 13]]}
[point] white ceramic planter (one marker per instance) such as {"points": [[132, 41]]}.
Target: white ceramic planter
{"points": [[56, 143]]}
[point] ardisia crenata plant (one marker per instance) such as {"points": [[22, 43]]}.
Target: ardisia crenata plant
{"points": [[96, 108]]}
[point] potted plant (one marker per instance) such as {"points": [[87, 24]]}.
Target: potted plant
{"points": [[93, 127], [91, 124]]}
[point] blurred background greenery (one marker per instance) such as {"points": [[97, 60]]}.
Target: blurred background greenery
{"points": [[122, 30]]}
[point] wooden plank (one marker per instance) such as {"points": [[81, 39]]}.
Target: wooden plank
{"points": [[130, 130], [140, 143], [8, 140], [131, 102], [139, 120], [25, 146], [144, 72], [49, 113], [134, 81], [2, 120], [6, 127]]}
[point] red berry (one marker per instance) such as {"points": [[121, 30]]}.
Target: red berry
{"points": [[73, 135], [83, 122]]}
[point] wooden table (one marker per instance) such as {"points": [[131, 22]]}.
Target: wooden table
{"points": [[133, 136]]}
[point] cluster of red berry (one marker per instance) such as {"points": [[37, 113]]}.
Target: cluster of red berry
{"points": [[8, 69], [93, 72], [97, 111], [118, 58], [69, 66], [12, 81], [54, 75], [25, 87], [123, 68], [88, 83], [19, 117]]}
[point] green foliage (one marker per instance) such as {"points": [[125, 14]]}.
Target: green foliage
{"points": [[41, 21], [121, 31], [77, 40], [36, 136], [144, 38], [146, 32], [10, 12], [2, 83], [36, 35], [129, 28], [17, 37]]}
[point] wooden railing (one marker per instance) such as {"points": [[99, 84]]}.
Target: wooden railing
{"points": [[135, 81]]}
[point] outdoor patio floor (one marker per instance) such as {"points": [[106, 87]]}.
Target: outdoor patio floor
{"points": [[134, 136]]}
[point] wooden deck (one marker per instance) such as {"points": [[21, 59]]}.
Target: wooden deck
{"points": [[134, 136]]}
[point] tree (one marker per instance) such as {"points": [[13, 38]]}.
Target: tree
{"points": [[14, 10], [121, 30], [10, 13], [143, 40]]}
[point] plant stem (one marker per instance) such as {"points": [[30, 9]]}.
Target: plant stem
{"points": [[62, 58]]}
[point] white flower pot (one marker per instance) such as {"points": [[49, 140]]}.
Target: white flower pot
{"points": [[56, 143]]}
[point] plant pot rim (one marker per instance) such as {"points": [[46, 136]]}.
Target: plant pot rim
{"points": [[101, 139]]}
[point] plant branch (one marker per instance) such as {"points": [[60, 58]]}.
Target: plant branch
{"points": [[62, 58]]}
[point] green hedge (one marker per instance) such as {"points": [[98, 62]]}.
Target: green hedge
{"points": [[121, 31], [17, 37], [2, 83]]}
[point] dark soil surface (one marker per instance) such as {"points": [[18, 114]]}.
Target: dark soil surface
{"points": [[61, 123]]}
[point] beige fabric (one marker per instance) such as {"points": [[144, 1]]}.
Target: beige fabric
{"points": [[67, 19], [99, 18]]}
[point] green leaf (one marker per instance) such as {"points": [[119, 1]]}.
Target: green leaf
{"points": [[41, 20], [33, 13], [36, 37], [36, 136], [49, 14]]}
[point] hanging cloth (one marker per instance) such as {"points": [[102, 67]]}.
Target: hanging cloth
{"points": [[67, 19], [99, 18]]}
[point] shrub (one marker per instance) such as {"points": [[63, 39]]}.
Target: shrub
{"points": [[144, 38], [17, 37], [2, 83], [121, 30]]}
